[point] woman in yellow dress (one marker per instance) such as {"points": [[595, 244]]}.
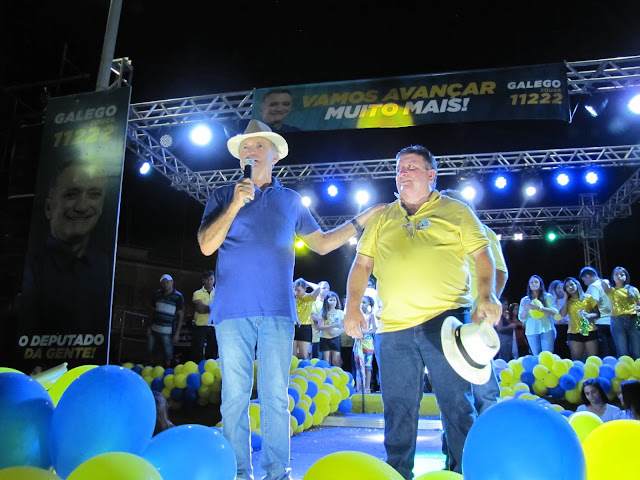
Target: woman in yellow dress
{"points": [[582, 310], [625, 303]]}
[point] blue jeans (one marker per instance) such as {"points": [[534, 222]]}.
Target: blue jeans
{"points": [[626, 335], [237, 342], [403, 357], [165, 342], [542, 342]]}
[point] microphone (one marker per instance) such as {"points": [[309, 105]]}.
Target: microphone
{"points": [[247, 165]]}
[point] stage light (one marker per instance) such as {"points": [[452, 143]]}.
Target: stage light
{"points": [[551, 236], [562, 179], [500, 182], [332, 190], [201, 135], [300, 244], [469, 192], [518, 236], [306, 201], [634, 104], [353, 241], [362, 197], [591, 178], [145, 168], [499, 236], [596, 108], [530, 191], [166, 140]]}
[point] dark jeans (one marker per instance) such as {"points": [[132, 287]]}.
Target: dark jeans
{"points": [[626, 335], [606, 345], [403, 357], [199, 336]]}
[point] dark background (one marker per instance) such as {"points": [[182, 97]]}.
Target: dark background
{"points": [[188, 48]]}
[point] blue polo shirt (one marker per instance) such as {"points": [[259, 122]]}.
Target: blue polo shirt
{"points": [[254, 269]]}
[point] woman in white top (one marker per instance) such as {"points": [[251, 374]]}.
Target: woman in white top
{"points": [[536, 313], [595, 401]]}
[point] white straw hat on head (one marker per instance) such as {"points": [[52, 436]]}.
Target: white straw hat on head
{"points": [[469, 348], [166, 276], [256, 128]]}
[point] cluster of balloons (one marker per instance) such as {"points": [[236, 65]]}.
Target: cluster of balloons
{"points": [[548, 375], [186, 385], [101, 427]]}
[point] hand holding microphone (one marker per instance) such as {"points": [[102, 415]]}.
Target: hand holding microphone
{"points": [[247, 165]]}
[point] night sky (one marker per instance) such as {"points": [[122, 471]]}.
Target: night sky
{"points": [[188, 48]]}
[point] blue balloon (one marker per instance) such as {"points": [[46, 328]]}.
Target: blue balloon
{"points": [[528, 362], [323, 364], [328, 380], [157, 384], [609, 360], [201, 368], [107, 409], [312, 408], [528, 378], [190, 396], [518, 393], [295, 394], [168, 371], [567, 382], [256, 441], [577, 372], [26, 410], [605, 383], [351, 388], [299, 414], [137, 369], [177, 394], [345, 406], [607, 371], [194, 381], [567, 413], [350, 378], [304, 363], [556, 392], [191, 451], [312, 389], [553, 448]]}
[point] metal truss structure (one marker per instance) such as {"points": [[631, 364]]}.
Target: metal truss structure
{"points": [[586, 221]]}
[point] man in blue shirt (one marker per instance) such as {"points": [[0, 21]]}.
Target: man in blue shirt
{"points": [[252, 226]]}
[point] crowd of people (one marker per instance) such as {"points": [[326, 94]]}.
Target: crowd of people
{"points": [[576, 318]]}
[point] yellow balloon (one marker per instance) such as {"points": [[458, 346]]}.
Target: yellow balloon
{"points": [[180, 380], [594, 359], [157, 371], [623, 370], [559, 368], [626, 359], [550, 380], [168, 381], [58, 388], [146, 371], [322, 398], [254, 411], [190, 367], [112, 465], [584, 423], [591, 370], [440, 475], [317, 418], [207, 378], [540, 371], [321, 372], [539, 388], [7, 369], [27, 473], [506, 376], [506, 392], [546, 358], [348, 465], [611, 450], [574, 396], [536, 313]]}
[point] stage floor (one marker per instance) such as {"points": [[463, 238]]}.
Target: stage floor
{"points": [[362, 433]]}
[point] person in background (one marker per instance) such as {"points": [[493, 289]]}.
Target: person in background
{"points": [[521, 345], [331, 327], [582, 310], [363, 348], [561, 345], [166, 320], [162, 413], [630, 400], [505, 328], [316, 308], [536, 312], [203, 330], [372, 292], [304, 330], [593, 284], [625, 303], [595, 401]]}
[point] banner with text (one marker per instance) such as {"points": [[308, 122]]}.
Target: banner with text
{"points": [[517, 93], [65, 303]]}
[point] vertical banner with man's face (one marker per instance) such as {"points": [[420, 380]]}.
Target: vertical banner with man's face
{"points": [[68, 276]]}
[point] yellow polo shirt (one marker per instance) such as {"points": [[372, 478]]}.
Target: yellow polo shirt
{"points": [[498, 257], [202, 319], [424, 276]]}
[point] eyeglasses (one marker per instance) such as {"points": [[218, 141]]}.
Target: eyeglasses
{"points": [[411, 229]]}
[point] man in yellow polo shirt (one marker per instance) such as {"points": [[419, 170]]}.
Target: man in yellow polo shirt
{"points": [[203, 331], [417, 249]]}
